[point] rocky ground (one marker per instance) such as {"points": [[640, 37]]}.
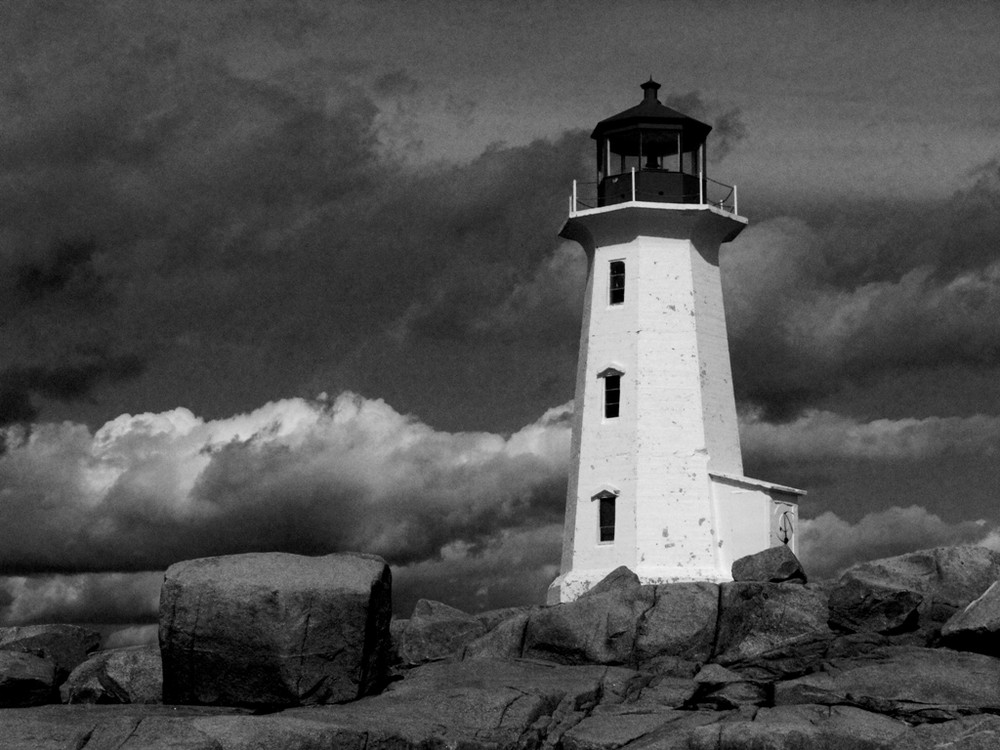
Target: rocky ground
{"points": [[280, 652]]}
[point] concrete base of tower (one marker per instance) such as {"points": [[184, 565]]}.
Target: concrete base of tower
{"points": [[571, 586]]}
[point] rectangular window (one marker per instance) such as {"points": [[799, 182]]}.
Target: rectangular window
{"points": [[607, 519], [617, 286], [612, 395]]}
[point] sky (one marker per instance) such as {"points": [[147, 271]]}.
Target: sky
{"points": [[283, 275]]}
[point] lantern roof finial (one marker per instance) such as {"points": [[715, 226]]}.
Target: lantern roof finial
{"points": [[651, 112]]}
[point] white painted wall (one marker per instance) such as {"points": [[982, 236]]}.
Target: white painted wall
{"points": [[677, 419]]}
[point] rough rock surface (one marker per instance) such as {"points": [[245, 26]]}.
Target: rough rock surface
{"points": [[118, 727], [773, 565], [977, 627], [505, 641], [677, 633], [881, 595], [274, 629], [981, 732], [599, 629], [64, 645], [436, 631], [619, 579], [747, 664], [858, 605], [758, 618], [479, 703], [800, 727], [916, 684], [493, 617], [25, 679], [666, 629], [120, 675]]}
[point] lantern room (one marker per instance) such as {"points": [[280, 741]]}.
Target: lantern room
{"points": [[651, 153]]}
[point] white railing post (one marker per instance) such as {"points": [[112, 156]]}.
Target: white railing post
{"points": [[571, 205], [574, 195], [633, 184], [701, 186], [736, 202]]}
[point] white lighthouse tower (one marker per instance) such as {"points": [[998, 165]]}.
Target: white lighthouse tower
{"points": [[656, 477]]}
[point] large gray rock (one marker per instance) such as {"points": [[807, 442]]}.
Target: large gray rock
{"points": [[807, 654], [977, 627], [866, 606], [436, 631], [274, 629], [598, 629], [611, 727], [493, 617], [477, 704], [801, 728], [979, 732], [666, 629], [504, 641], [121, 727], [917, 684], [666, 691], [773, 565], [484, 704], [25, 679], [620, 579], [756, 619], [881, 596], [675, 636], [64, 645], [121, 675]]}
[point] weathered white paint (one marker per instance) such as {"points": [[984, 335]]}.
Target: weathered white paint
{"points": [[683, 510]]}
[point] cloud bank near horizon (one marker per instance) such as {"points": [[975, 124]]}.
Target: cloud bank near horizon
{"points": [[474, 519], [303, 476]]}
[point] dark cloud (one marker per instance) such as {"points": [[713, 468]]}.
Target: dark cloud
{"points": [[396, 83], [857, 300], [70, 382], [728, 128], [15, 407], [238, 217], [70, 263]]}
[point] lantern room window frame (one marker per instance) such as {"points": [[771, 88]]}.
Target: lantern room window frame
{"points": [[678, 156]]}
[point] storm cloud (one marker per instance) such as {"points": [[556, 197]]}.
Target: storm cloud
{"points": [[871, 295]]}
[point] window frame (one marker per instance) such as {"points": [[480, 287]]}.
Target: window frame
{"points": [[612, 396], [616, 291], [606, 405], [607, 516]]}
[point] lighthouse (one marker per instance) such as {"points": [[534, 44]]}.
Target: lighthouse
{"points": [[656, 475]]}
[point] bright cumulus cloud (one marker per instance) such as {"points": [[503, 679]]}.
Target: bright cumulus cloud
{"points": [[819, 435], [306, 476], [88, 521]]}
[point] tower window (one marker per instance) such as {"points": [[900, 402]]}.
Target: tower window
{"points": [[606, 519], [617, 283], [612, 395]]}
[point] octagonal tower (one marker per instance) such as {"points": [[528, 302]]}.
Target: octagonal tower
{"points": [[656, 475]]}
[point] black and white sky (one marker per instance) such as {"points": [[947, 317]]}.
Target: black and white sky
{"points": [[283, 275]]}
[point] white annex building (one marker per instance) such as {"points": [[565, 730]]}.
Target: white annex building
{"points": [[656, 475]]}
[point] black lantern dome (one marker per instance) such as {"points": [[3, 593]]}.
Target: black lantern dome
{"points": [[665, 149]]}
